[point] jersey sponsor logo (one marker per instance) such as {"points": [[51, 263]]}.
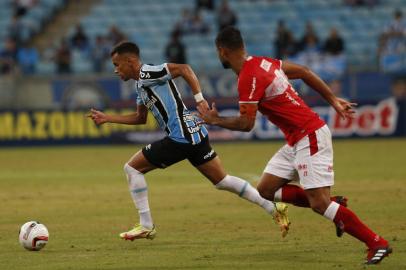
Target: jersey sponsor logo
{"points": [[151, 102], [193, 129], [265, 65], [209, 155], [188, 117], [294, 101], [281, 82], [160, 114], [145, 75], [153, 72], [253, 86], [181, 110]]}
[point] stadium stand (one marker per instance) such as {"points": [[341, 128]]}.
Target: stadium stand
{"points": [[360, 26], [150, 23], [33, 21]]}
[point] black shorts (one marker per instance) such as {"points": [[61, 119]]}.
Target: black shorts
{"points": [[166, 152]]}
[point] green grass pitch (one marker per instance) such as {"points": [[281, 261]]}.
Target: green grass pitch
{"points": [[81, 195]]}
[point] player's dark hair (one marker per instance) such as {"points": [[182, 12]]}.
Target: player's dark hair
{"points": [[125, 47], [230, 37]]}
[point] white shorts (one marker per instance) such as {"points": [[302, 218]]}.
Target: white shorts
{"points": [[311, 158]]}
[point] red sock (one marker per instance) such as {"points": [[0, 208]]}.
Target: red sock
{"points": [[353, 226], [294, 195]]}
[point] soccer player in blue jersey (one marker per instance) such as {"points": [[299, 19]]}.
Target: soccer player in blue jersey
{"points": [[186, 137]]}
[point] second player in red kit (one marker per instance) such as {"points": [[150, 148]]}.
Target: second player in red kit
{"points": [[263, 85]]}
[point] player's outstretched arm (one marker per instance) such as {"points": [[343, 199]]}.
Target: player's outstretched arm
{"points": [[137, 118], [187, 73], [295, 71], [244, 122]]}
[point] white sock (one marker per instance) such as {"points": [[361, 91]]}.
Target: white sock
{"points": [[139, 194], [331, 211], [245, 190]]}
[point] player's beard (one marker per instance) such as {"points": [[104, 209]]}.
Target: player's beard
{"points": [[226, 64]]}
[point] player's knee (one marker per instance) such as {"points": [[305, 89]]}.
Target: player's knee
{"points": [[130, 170]]}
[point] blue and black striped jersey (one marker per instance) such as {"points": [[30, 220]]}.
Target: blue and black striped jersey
{"points": [[158, 92]]}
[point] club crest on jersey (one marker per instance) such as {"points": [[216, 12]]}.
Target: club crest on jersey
{"points": [[265, 65]]}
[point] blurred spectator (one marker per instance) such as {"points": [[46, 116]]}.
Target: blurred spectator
{"points": [[79, 39], [334, 44], [393, 37], [399, 88], [185, 22], [100, 54], [204, 4], [63, 58], [226, 16], [15, 30], [22, 6], [285, 45], [311, 46], [175, 50], [191, 23], [392, 43], [198, 25], [8, 57], [115, 36], [330, 66], [334, 62], [27, 57], [359, 3], [309, 38]]}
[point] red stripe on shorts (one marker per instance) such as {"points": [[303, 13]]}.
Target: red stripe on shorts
{"points": [[313, 143]]}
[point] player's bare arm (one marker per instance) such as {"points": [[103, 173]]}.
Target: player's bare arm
{"points": [[244, 122], [187, 73], [137, 118], [294, 71]]}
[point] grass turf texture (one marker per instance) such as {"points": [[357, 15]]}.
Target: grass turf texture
{"points": [[81, 195]]}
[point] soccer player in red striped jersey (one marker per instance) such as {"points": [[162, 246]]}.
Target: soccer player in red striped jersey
{"points": [[263, 86]]}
